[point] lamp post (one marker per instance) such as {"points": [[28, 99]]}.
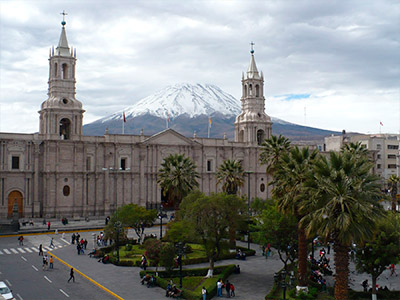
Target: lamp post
{"points": [[160, 216], [283, 284], [248, 208], [117, 227], [180, 249]]}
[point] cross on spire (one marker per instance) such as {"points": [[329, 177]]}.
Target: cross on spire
{"points": [[63, 21], [251, 47]]}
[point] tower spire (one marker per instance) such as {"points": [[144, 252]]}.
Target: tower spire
{"points": [[252, 71], [63, 48]]}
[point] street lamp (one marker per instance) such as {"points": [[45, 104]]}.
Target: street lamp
{"points": [[248, 208], [283, 284], [180, 249], [117, 226], [160, 216]]}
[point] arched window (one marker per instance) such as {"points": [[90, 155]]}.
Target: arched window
{"points": [[250, 90], [241, 136], [65, 129], [245, 90], [66, 190], [260, 136], [257, 90], [64, 71], [55, 69]]}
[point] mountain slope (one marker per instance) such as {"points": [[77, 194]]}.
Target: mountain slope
{"points": [[188, 108]]}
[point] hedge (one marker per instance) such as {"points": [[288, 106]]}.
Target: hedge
{"points": [[223, 272]]}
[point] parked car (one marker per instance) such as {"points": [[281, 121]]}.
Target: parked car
{"points": [[5, 291]]}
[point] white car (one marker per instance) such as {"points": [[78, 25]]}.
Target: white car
{"points": [[5, 291]]}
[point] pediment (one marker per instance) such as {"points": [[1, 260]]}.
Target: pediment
{"points": [[169, 137]]}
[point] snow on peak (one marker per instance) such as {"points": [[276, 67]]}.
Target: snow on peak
{"points": [[183, 98]]}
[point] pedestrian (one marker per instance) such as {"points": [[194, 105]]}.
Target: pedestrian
{"points": [[52, 243], [329, 247], [78, 248], [365, 285], [392, 270], [73, 238], [71, 275], [45, 262], [228, 289], [204, 293], [85, 244], [51, 262], [40, 250], [232, 290], [21, 240], [144, 262], [48, 225], [219, 288]]}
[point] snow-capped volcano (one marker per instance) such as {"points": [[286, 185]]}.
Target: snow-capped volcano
{"points": [[184, 98]]}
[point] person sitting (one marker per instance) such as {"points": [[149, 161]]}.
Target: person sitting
{"points": [[92, 253], [145, 278], [168, 290], [105, 259], [151, 282], [175, 292]]}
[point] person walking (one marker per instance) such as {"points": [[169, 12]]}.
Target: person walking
{"points": [[219, 288], [232, 290], [71, 275], [21, 240], [48, 225], [204, 293], [52, 243], [51, 262], [73, 238], [40, 250], [228, 289]]}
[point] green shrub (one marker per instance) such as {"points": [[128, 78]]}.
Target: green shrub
{"points": [[128, 247]]}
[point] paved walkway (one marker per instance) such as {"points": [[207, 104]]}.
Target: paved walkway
{"points": [[254, 282]]}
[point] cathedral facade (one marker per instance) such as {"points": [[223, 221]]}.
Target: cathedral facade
{"points": [[59, 172]]}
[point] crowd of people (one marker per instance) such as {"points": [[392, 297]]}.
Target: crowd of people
{"points": [[229, 288]]}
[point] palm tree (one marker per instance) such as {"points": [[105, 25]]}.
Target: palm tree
{"points": [[177, 177], [290, 176], [231, 173], [345, 208], [273, 149], [392, 183]]}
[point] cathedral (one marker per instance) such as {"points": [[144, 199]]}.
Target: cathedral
{"points": [[59, 172]]}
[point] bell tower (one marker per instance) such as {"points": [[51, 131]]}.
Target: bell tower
{"points": [[61, 115], [253, 125]]}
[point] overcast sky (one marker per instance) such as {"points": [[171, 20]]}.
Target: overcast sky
{"points": [[327, 64]]}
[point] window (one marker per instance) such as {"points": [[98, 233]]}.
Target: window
{"points": [[391, 166], [65, 129], [378, 156], [378, 146], [391, 156], [260, 136], [123, 164], [378, 166], [262, 187], [209, 165], [66, 190], [257, 90], [15, 163], [64, 71], [393, 147], [88, 163]]}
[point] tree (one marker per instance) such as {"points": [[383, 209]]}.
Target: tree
{"points": [[392, 183], [167, 256], [211, 218], [177, 177], [231, 174], [180, 231], [273, 149], [134, 216], [344, 198], [384, 249], [153, 248], [280, 231], [290, 175]]}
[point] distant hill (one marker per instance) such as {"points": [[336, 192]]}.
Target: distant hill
{"points": [[188, 108]]}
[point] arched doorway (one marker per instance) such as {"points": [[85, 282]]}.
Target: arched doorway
{"points": [[15, 196]]}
